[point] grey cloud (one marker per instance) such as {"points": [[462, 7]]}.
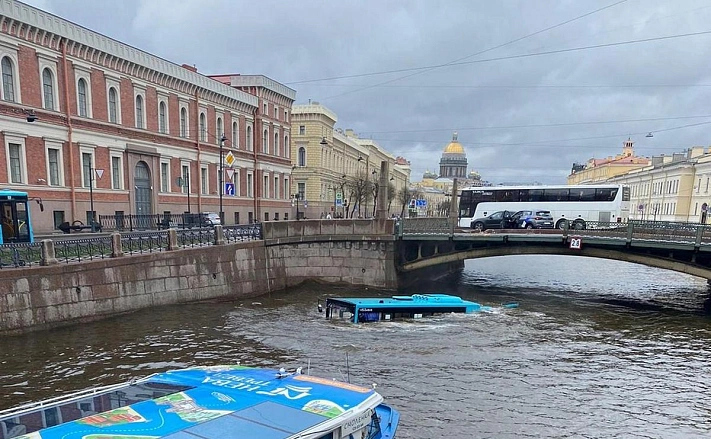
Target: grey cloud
{"points": [[293, 41]]}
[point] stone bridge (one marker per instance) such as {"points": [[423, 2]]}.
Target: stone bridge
{"points": [[425, 243]]}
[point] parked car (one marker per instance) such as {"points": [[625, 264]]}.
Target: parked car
{"points": [[210, 219], [533, 219], [497, 220]]}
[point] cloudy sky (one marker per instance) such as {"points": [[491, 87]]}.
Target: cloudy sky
{"points": [[518, 79]]}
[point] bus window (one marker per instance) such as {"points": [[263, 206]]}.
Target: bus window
{"points": [[582, 195], [523, 195], [502, 196], [556, 195], [23, 228], [535, 195], [606, 194]]}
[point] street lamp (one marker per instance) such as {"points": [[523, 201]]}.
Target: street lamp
{"points": [[223, 139], [91, 198]]}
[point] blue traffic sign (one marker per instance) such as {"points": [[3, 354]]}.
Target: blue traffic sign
{"points": [[230, 189]]}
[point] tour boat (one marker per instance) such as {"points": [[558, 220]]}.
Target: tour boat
{"points": [[209, 402], [416, 306]]}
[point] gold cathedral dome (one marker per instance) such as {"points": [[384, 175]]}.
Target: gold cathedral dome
{"points": [[454, 146]]}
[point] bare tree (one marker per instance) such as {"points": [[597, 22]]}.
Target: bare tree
{"points": [[358, 189], [392, 193], [404, 196]]}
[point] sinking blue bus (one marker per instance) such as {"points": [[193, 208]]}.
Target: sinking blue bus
{"points": [[15, 217]]}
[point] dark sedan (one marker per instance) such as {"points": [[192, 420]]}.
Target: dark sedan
{"points": [[497, 220]]}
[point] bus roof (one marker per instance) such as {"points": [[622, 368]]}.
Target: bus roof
{"points": [[561, 186], [12, 192]]}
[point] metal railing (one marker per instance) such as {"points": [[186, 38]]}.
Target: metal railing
{"points": [[196, 237], [20, 255], [145, 242], [131, 223], [240, 233], [77, 250]]}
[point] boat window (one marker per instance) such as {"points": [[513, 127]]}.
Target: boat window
{"points": [[328, 436]]}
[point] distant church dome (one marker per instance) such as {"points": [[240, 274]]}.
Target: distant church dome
{"points": [[453, 163], [454, 146]]}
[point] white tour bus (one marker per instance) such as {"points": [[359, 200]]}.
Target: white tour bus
{"points": [[576, 205]]}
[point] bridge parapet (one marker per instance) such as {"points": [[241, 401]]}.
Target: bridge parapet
{"points": [[347, 227]]}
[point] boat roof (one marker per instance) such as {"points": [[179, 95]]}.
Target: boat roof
{"points": [[415, 300], [207, 402]]}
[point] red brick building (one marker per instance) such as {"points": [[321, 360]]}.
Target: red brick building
{"points": [[130, 123]]}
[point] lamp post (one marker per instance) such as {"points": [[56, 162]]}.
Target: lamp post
{"points": [[222, 184], [296, 201], [91, 198]]}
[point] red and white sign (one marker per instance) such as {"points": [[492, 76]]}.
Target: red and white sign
{"points": [[230, 173], [99, 173]]}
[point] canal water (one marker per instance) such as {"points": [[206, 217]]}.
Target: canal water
{"points": [[597, 349]]}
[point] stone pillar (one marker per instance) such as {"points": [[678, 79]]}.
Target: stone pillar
{"points": [[116, 247], [219, 235], [453, 208], [172, 239], [48, 256], [382, 210]]}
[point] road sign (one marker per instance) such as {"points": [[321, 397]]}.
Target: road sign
{"points": [[421, 203], [339, 196], [230, 159], [576, 243], [230, 189], [99, 173], [339, 202], [230, 173]]}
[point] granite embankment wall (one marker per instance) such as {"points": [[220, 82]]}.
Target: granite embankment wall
{"points": [[356, 252]]}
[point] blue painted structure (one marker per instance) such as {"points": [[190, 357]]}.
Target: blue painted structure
{"points": [[417, 305], [15, 217], [215, 402]]}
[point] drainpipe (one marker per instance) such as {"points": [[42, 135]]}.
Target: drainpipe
{"points": [[69, 130], [257, 130], [197, 146]]}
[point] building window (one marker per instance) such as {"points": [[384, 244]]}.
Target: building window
{"points": [[287, 152], [164, 177], [266, 216], [276, 187], [53, 161], [302, 156], [265, 142], [250, 186], [186, 179], [113, 105], [235, 135], [302, 130], [183, 122], [203, 181], [287, 188], [276, 144], [139, 111], [265, 189], [286, 116], [162, 118], [48, 88], [203, 128], [264, 110], [8, 80], [276, 112], [82, 101], [220, 130], [116, 172], [302, 191], [15, 154], [249, 138], [87, 168]]}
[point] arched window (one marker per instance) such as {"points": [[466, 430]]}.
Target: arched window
{"points": [[220, 129], [203, 128], [265, 142], [302, 156], [162, 122], [276, 144], [139, 111], [235, 135], [183, 122], [48, 88], [82, 102], [249, 138], [113, 105], [8, 80], [287, 151]]}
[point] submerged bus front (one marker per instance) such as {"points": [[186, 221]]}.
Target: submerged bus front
{"points": [[574, 205]]}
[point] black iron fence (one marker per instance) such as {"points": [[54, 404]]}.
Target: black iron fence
{"points": [[20, 255], [120, 223], [85, 249]]}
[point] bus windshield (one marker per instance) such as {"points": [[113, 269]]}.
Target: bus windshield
{"points": [[572, 206]]}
